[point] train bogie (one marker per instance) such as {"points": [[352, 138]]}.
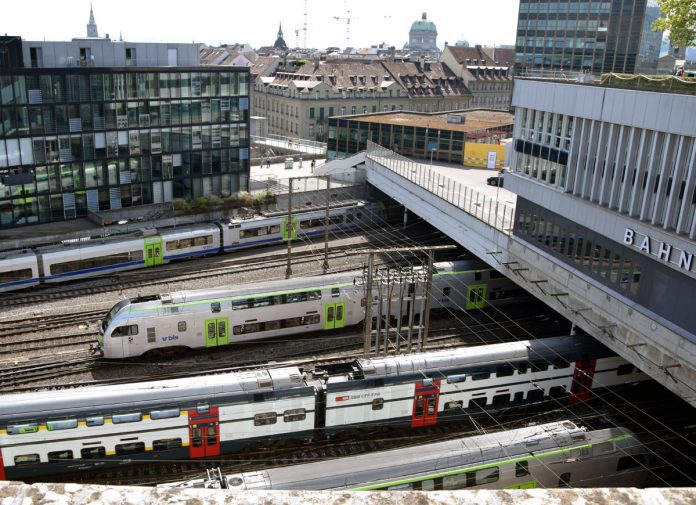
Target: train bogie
{"points": [[18, 270]]}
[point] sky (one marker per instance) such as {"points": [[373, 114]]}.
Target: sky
{"points": [[213, 22]]}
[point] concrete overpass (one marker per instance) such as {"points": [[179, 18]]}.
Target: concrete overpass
{"points": [[483, 225]]}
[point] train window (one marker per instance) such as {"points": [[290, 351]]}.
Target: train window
{"points": [[453, 379], [539, 366], [564, 480], [521, 368], [602, 448], [477, 276], [26, 459], [557, 392], [478, 403], [164, 413], [294, 415], [151, 335], [166, 444], [61, 424], [535, 395], [335, 292], [60, 455], [199, 241], [628, 462], [560, 363], [125, 331], [215, 307], [131, 448], [95, 421], [271, 325], [202, 408], [446, 291], [21, 429], [378, 404], [494, 274], [504, 371], [240, 304], [454, 405], [427, 485], [457, 481], [487, 475], [93, 453], [400, 487], [181, 326], [89, 263], [478, 375], [131, 417], [625, 369], [15, 275], [314, 295], [263, 302], [265, 418], [273, 229], [521, 468], [313, 319], [501, 399]]}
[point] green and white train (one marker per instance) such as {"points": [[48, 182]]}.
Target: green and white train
{"points": [[559, 454]]}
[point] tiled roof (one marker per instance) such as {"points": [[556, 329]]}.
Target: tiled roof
{"points": [[428, 79]]}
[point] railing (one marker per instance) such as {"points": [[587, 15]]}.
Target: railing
{"points": [[488, 210], [291, 143]]}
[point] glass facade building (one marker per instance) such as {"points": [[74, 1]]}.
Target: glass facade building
{"points": [[583, 36], [74, 140]]}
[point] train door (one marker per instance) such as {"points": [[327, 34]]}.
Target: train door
{"points": [[334, 315], [293, 228], [153, 251], [582, 381], [425, 403], [204, 433], [217, 332], [2, 468], [475, 296]]}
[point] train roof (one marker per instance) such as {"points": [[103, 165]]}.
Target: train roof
{"points": [[570, 347], [421, 459], [132, 396]]}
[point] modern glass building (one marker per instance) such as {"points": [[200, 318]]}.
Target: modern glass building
{"points": [[74, 140], [585, 36]]}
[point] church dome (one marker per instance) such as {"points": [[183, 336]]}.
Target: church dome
{"points": [[462, 43], [424, 24]]}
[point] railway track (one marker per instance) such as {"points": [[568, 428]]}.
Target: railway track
{"points": [[182, 272], [304, 351]]}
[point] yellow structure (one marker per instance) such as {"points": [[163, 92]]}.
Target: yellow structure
{"points": [[476, 155]]}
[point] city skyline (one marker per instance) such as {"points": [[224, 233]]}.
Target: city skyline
{"points": [[492, 22]]}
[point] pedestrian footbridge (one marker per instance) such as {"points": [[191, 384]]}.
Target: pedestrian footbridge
{"points": [[483, 225], [292, 145]]}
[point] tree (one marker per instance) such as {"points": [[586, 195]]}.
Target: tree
{"points": [[680, 19]]}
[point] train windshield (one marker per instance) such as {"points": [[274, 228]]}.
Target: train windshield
{"points": [[113, 312]]}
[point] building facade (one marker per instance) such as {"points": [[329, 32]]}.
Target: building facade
{"points": [[488, 79], [300, 102], [585, 36], [444, 136], [74, 140], [606, 184]]}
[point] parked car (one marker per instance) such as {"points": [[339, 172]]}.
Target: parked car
{"points": [[497, 180]]}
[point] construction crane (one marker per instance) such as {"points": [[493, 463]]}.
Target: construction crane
{"points": [[347, 19], [303, 29]]}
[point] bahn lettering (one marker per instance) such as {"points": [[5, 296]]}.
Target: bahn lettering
{"points": [[662, 250]]}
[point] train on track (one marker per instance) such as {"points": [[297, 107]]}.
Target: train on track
{"points": [[98, 257], [209, 318], [559, 454], [97, 427]]}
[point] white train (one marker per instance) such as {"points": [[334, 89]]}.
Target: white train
{"points": [[559, 454], [97, 427], [209, 318], [93, 258]]}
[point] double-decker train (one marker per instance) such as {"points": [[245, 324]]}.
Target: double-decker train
{"points": [[105, 426], [98, 257], [209, 318], [558, 454]]}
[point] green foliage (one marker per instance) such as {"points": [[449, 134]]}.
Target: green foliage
{"points": [[679, 20]]}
